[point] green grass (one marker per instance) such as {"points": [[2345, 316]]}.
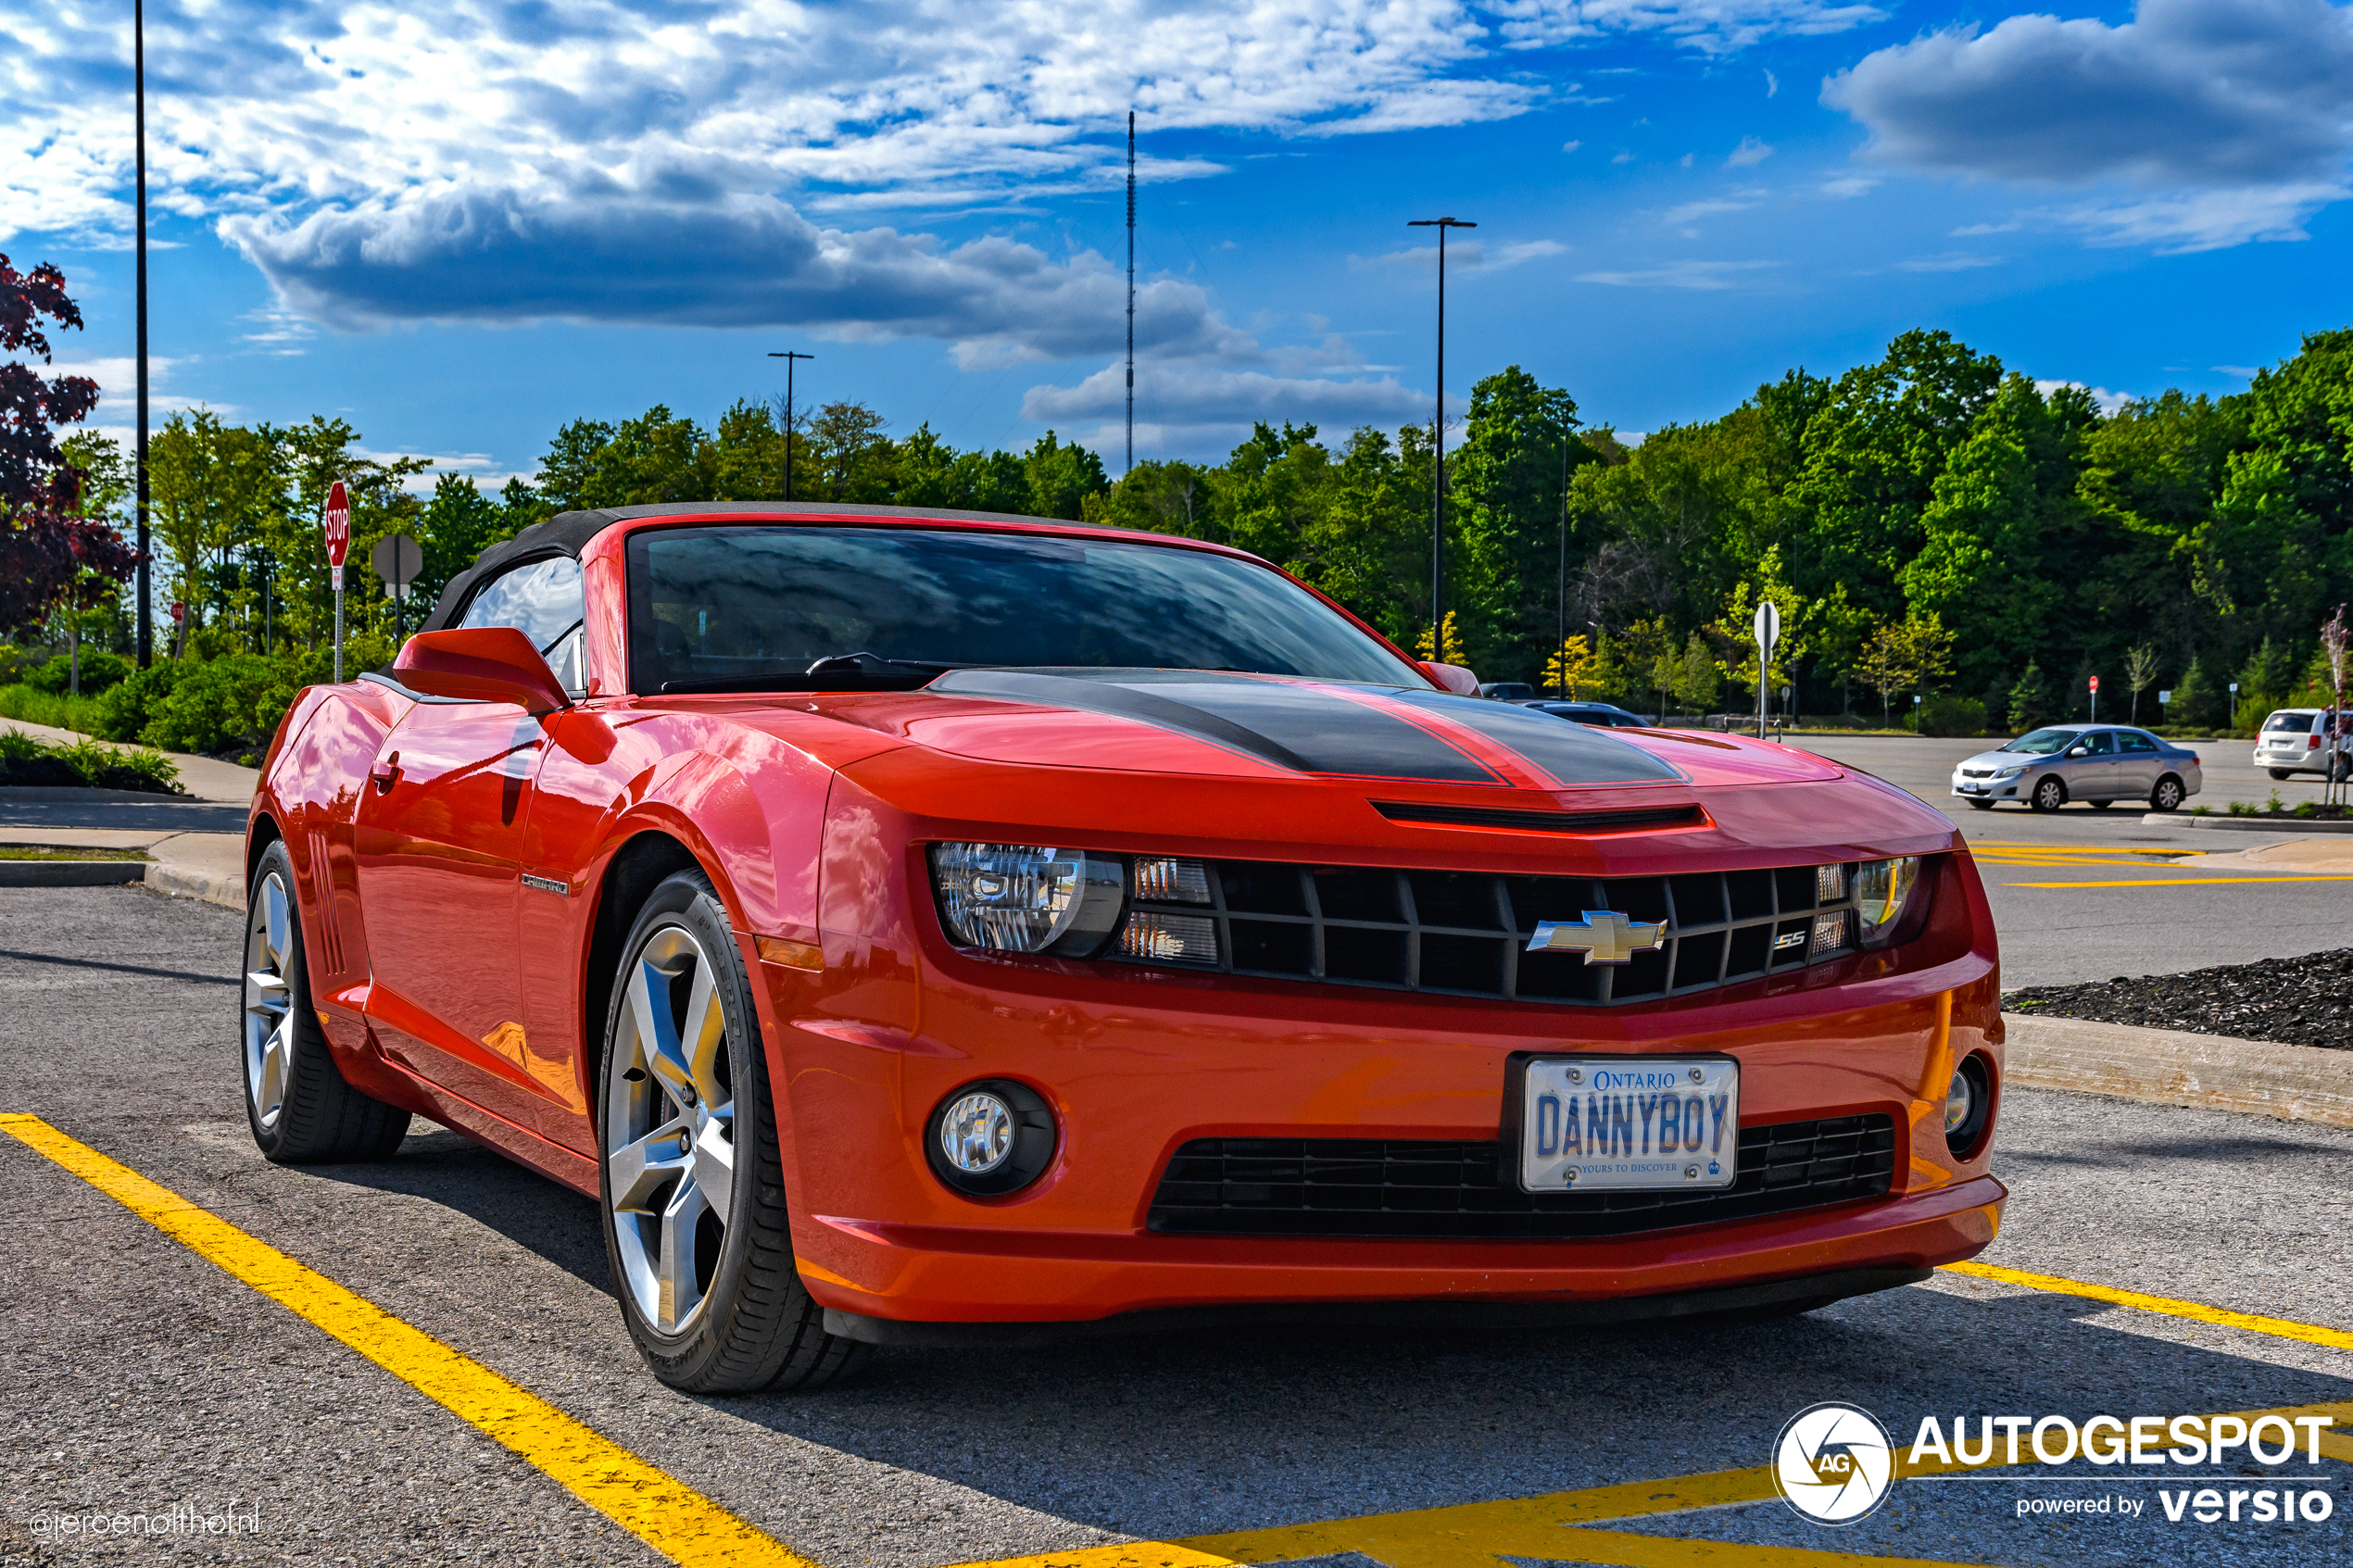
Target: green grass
{"points": [[56, 709], [59, 852]]}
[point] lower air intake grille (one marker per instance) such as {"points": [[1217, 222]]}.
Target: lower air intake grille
{"points": [[1461, 1190]]}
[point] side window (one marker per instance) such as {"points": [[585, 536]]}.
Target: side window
{"points": [[542, 599], [2134, 741], [2100, 743]]}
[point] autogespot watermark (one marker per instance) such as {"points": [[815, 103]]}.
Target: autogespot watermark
{"points": [[1835, 1465], [183, 1520]]}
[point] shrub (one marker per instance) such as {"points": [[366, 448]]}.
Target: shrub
{"points": [[215, 704], [99, 671], [26, 761], [57, 711], [1949, 716], [124, 709]]}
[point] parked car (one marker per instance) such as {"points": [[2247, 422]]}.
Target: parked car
{"points": [[2099, 764], [1507, 691], [2297, 740], [923, 928], [1607, 716]]}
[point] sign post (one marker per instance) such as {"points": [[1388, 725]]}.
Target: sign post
{"points": [[338, 522], [2096, 699], [1767, 627], [397, 559]]}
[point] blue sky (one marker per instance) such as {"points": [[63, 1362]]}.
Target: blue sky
{"points": [[459, 223]]}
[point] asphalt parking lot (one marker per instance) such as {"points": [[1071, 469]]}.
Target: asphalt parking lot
{"points": [[136, 1377], [2081, 895]]}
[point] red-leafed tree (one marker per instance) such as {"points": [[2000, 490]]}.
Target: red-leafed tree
{"points": [[50, 555]]}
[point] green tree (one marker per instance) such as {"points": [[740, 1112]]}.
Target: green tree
{"points": [[1060, 478], [2199, 699], [2030, 700]]}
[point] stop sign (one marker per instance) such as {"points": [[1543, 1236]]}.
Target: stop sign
{"points": [[338, 523], [2095, 682]]}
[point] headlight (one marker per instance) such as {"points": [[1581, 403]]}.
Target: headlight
{"points": [[1882, 888], [1018, 898], [2013, 770]]}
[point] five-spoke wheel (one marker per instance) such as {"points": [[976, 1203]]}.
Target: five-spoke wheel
{"points": [[695, 1215]]}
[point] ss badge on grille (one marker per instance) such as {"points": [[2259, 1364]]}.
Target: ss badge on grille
{"points": [[1603, 937]]}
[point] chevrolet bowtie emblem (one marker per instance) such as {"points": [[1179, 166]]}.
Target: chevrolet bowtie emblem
{"points": [[1603, 937]]}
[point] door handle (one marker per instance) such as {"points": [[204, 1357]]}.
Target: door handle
{"points": [[385, 773]]}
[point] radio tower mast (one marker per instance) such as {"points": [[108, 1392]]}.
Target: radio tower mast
{"points": [[1131, 289]]}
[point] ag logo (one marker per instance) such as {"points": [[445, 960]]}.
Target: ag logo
{"points": [[1833, 1464]]}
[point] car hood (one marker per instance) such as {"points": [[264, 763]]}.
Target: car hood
{"points": [[2006, 759], [1211, 723]]}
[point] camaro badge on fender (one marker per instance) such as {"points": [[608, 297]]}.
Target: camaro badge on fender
{"points": [[1603, 937]]}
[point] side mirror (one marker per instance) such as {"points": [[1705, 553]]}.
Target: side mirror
{"points": [[1454, 677], [480, 664], [2079, 750]]}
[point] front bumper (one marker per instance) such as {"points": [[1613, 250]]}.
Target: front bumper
{"points": [[1138, 1063], [1988, 789]]}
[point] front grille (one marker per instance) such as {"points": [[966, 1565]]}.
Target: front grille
{"points": [[1466, 933], [1543, 821], [1465, 1190], [1977, 772]]}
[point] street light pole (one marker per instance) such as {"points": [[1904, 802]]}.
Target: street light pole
{"points": [[1438, 449], [139, 115], [788, 357]]}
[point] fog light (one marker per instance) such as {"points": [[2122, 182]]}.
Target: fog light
{"points": [[1969, 1103], [977, 1133], [990, 1138]]}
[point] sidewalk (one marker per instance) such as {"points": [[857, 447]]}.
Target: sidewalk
{"points": [[195, 842]]}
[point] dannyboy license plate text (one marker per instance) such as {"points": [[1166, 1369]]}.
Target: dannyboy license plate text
{"points": [[1630, 1122]]}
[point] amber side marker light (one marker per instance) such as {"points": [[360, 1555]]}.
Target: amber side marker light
{"points": [[794, 955]]}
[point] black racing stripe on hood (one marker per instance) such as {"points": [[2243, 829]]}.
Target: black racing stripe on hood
{"points": [[1570, 752], [1298, 727]]}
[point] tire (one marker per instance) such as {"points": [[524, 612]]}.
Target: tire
{"points": [[296, 1103], [2279, 772], [751, 1323], [2050, 793], [2167, 795], [1982, 805]]}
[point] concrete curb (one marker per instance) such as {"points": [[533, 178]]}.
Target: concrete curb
{"points": [[2244, 824], [2172, 1067], [70, 874], [208, 866]]}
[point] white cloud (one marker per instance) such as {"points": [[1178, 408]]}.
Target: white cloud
{"points": [[1950, 261], [1570, 147], [1708, 275], [1196, 403], [1845, 187], [1976, 230], [1733, 201], [1623, 157], [1465, 253], [1750, 152], [1713, 27], [2219, 120], [2245, 373], [1773, 84], [2108, 402]]}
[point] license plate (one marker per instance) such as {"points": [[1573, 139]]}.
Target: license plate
{"points": [[1620, 1123], [1971, 788]]}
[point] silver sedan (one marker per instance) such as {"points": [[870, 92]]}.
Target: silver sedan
{"points": [[2099, 764]]}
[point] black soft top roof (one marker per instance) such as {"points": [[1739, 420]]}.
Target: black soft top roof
{"points": [[567, 534]]}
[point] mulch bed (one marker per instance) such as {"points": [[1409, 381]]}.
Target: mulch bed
{"points": [[2299, 1001]]}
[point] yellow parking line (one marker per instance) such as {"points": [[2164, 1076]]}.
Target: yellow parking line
{"points": [[2281, 1328], [2177, 881], [657, 1508]]}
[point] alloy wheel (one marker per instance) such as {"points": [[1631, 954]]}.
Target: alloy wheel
{"points": [[2169, 795], [670, 1130], [2049, 795], [269, 1019]]}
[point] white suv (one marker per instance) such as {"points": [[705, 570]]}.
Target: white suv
{"points": [[2295, 740]]}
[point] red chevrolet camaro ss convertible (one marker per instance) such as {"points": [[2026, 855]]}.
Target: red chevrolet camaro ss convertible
{"points": [[914, 928]]}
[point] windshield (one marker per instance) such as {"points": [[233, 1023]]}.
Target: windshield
{"points": [[754, 607], [2043, 743], [2298, 723]]}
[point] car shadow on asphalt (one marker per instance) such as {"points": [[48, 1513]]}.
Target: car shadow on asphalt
{"points": [[451, 1170]]}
